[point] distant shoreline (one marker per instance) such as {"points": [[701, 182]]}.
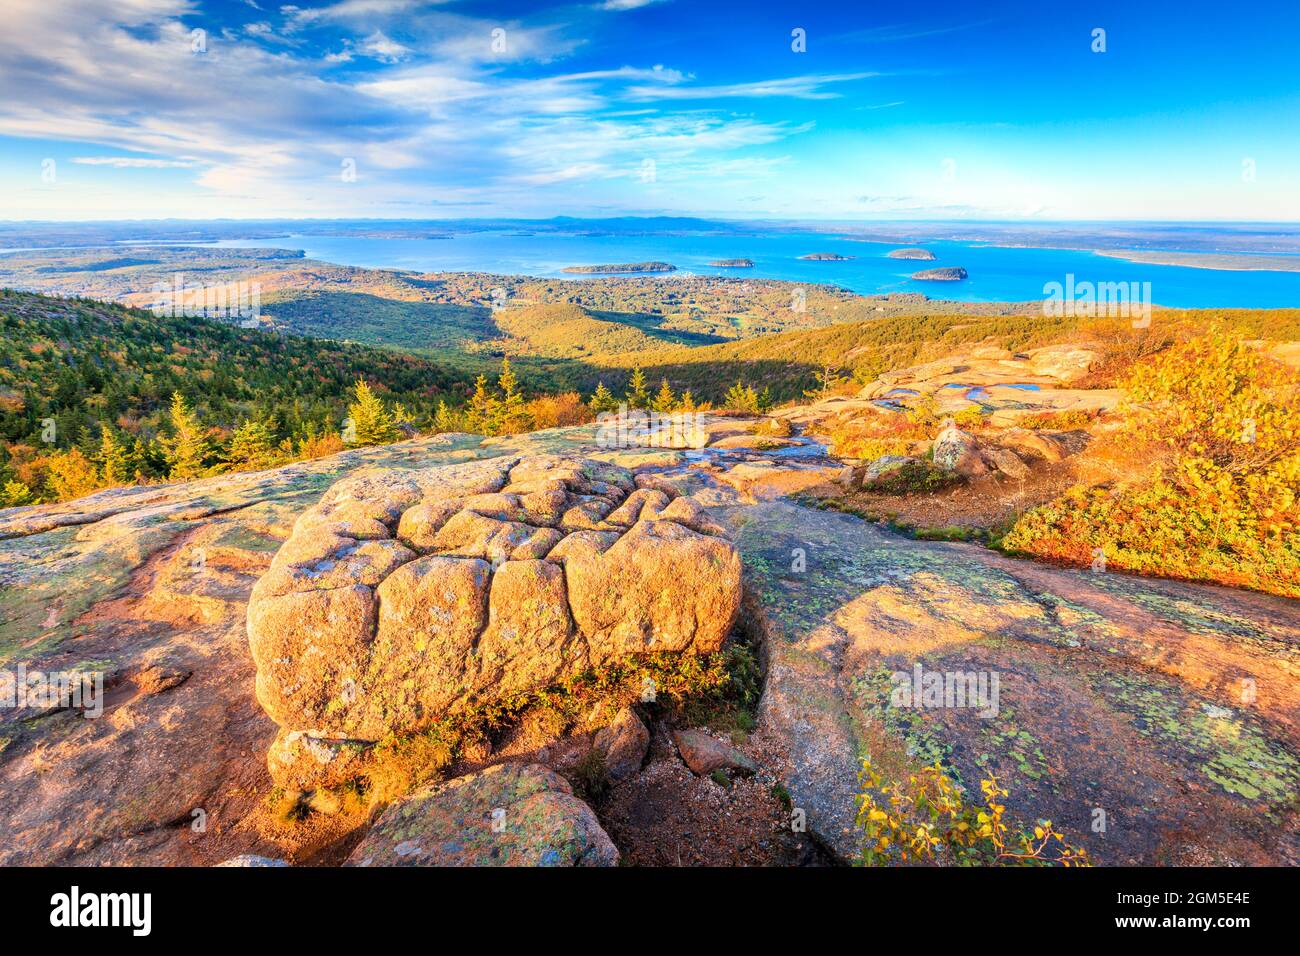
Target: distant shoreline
{"points": [[1223, 261]]}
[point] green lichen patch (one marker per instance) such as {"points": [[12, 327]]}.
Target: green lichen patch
{"points": [[1222, 745]]}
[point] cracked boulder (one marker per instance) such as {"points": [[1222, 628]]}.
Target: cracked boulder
{"points": [[404, 597]]}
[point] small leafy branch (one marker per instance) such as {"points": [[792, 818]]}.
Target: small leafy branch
{"points": [[926, 821]]}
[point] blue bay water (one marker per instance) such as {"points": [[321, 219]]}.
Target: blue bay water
{"points": [[997, 274]]}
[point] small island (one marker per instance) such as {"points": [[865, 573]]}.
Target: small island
{"points": [[925, 254], [621, 267], [827, 257], [949, 274], [733, 264]]}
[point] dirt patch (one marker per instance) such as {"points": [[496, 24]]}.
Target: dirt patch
{"points": [[668, 816]]}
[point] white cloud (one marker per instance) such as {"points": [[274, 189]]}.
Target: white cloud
{"points": [[383, 48], [265, 126], [130, 162], [626, 4], [350, 10]]}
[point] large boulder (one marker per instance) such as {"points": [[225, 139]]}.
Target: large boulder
{"points": [[660, 587], [958, 451], [507, 815], [405, 597], [1007, 462]]}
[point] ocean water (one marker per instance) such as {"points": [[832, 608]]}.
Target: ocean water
{"points": [[997, 274]]}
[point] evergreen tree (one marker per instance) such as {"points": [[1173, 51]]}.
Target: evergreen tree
{"points": [[687, 404], [638, 396], [665, 401], [741, 398], [765, 400], [511, 415], [481, 415], [371, 422], [115, 465], [828, 380], [148, 459], [444, 419], [187, 445], [252, 445], [603, 400], [402, 418]]}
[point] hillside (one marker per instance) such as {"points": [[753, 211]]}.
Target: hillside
{"points": [[81, 363], [787, 362]]}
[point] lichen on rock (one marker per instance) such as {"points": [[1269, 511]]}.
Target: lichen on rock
{"points": [[405, 597]]}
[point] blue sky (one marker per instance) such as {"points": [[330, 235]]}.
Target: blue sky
{"points": [[395, 108]]}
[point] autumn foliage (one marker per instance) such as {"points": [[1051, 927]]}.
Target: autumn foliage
{"points": [[1225, 507]]}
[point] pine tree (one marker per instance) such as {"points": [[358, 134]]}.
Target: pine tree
{"points": [[481, 416], [444, 419], [741, 398], [828, 380], [512, 416], [665, 401], [687, 404], [603, 400], [115, 465], [371, 422], [765, 401], [187, 445], [252, 445], [150, 460], [403, 419], [638, 396]]}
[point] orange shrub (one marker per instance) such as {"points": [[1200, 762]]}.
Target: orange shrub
{"points": [[558, 411], [318, 446], [1227, 506]]}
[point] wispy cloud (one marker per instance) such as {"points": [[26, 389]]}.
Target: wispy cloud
{"points": [[810, 87], [627, 4], [131, 162], [899, 32]]}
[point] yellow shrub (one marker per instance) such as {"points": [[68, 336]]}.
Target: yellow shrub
{"points": [[925, 821], [869, 449], [970, 417], [1226, 508], [1058, 421], [70, 475]]}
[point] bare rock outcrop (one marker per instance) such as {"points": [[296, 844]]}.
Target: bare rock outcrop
{"points": [[407, 596]]}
